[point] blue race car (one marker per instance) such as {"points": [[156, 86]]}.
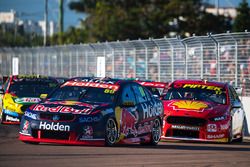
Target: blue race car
{"points": [[91, 111]]}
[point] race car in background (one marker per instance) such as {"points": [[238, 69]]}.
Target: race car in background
{"points": [[202, 111], [156, 88], [20, 92], [92, 111]]}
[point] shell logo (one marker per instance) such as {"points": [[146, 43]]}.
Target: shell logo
{"points": [[189, 105]]}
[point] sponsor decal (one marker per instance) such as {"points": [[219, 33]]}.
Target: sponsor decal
{"points": [[27, 100], [189, 105], [8, 112], [151, 111], [89, 119], [54, 126], [212, 128], [87, 133], [91, 84], [62, 109], [153, 84], [225, 126], [146, 128], [9, 118], [70, 103], [217, 136], [217, 89], [183, 127], [30, 115], [126, 121], [25, 127]]}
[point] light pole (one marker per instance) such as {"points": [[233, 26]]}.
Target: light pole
{"points": [[45, 23]]}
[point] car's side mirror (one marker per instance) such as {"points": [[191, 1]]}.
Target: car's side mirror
{"points": [[128, 104], [238, 91], [43, 96], [156, 96], [236, 104]]}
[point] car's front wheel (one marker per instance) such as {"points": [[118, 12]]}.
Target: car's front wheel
{"points": [[155, 133], [243, 128], [111, 132]]}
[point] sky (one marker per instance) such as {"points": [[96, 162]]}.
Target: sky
{"points": [[34, 9]]}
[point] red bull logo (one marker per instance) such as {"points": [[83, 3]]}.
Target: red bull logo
{"points": [[128, 122]]}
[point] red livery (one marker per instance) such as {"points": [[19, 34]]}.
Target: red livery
{"points": [[202, 111]]}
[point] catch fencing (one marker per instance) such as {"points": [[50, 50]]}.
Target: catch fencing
{"points": [[221, 57]]}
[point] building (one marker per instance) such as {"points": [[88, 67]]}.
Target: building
{"points": [[10, 20], [227, 11]]}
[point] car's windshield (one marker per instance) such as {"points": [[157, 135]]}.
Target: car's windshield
{"points": [[99, 95], [214, 96], [32, 88], [83, 94], [154, 91]]}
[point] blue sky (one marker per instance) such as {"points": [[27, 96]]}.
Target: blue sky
{"points": [[33, 9]]}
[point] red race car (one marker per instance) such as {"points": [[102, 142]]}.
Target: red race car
{"points": [[202, 111]]}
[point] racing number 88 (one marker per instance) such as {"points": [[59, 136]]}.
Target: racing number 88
{"points": [[109, 91]]}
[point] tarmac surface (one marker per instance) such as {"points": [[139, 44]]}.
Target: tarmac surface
{"points": [[16, 153]]}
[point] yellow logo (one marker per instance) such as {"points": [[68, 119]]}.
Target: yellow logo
{"points": [[189, 105]]}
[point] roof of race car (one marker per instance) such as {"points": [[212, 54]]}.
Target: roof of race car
{"points": [[97, 82], [152, 84], [203, 82], [105, 80], [31, 78]]}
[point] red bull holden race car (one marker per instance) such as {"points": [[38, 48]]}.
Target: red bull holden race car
{"points": [[20, 92], [88, 111], [202, 111]]}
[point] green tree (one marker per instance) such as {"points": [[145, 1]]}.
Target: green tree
{"points": [[242, 20], [12, 38], [129, 19]]}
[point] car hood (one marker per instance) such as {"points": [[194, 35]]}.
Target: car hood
{"points": [[193, 108], [73, 107]]}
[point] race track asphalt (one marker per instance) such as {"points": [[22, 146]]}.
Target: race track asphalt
{"points": [[14, 153]]}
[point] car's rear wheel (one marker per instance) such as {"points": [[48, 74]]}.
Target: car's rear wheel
{"points": [[111, 132], [155, 133]]}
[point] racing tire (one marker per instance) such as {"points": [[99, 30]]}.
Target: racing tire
{"points": [[240, 139], [230, 133], [111, 132], [155, 133]]}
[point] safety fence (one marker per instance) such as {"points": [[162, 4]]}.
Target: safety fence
{"points": [[221, 57]]}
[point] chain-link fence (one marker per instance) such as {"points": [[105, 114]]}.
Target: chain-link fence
{"points": [[220, 57]]}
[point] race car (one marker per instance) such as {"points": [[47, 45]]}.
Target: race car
{"points": [[92, 111], [199, 110], [20, 92], [156, 88]]}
